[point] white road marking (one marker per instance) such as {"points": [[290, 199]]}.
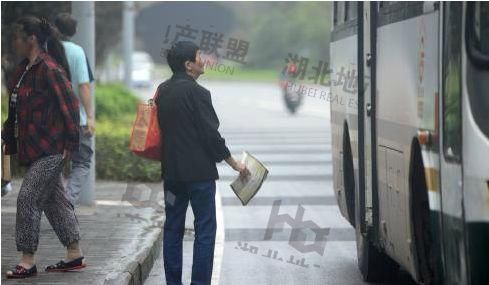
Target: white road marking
{"points": [[219, 243]]}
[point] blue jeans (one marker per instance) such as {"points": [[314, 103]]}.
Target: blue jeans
{"points": [[201, 196]]}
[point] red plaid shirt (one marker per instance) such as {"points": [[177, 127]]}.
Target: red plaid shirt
{"points": [[47, 112]]}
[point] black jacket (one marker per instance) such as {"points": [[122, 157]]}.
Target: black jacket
{"points": [[192, 143]]}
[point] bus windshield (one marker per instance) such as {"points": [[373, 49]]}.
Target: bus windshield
{"points": [[480, 26], [478, 52]]}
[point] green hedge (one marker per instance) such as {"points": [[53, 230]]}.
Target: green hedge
{"points": [[113, 158], [116, 111], [113, 101]]}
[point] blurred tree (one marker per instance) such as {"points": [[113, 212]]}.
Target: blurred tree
{"points": [[107, 25], [11, 11], [155, 18], [275, 29]]}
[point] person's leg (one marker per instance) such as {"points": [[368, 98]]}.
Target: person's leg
{"points": [[80, 168], [31, 194], [202, 199], [176, 204], [61, 215], [29, 211]]}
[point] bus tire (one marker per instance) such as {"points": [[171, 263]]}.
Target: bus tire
{"points": [[420, 211], [348, 176], [374, 265]]}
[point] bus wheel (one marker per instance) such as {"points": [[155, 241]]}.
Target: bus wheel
{"points": [[374, 265], [348, 177], [420, 216]]}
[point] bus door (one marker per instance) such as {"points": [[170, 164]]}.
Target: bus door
{"points": [[366, 117], [451, 145]]}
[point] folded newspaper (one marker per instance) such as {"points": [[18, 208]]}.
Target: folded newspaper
{"points": [[247, 188]]}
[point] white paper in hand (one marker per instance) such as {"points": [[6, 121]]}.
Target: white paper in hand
{"points": [[247, 188]]}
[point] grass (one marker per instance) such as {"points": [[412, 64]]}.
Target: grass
{"points": [[238, 74], [119, 127], [225, 72]]}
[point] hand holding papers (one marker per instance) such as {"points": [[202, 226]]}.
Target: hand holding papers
{"points": [[246, 188]]}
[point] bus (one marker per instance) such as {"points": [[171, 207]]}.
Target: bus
{"points": [[410, 137]]}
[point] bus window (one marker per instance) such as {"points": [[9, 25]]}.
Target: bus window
{"points": [[478, 52], [347, 11], [351, 10], [340, 13], [481, 28], [335, 13], [452, 118]]}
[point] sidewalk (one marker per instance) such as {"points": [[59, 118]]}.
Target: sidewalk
{"points": [[121, 237]]}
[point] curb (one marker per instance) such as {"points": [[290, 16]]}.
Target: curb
{"points": [[137, 271]]}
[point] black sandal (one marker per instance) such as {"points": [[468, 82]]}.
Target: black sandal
{"points": [[62, 266], [20, 272]]}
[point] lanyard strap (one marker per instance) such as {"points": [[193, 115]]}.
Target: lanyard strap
{"points": [[13, 100]]}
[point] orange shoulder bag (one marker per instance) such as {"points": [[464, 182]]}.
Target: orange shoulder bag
{"points": [[146, 138]]}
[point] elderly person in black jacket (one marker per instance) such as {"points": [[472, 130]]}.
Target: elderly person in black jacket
{"points": [[192, 145]]}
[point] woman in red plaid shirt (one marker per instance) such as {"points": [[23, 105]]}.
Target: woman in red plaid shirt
{"points": [[43, 128]]}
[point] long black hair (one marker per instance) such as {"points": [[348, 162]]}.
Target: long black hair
{"points": [[47, 37]]}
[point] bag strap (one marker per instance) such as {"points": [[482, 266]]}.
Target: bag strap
{"points": [[164, 84], [13, 100]]}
